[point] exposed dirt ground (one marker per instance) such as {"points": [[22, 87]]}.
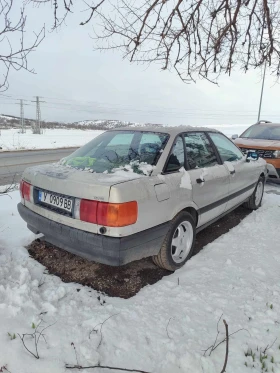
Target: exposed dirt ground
{"points": [[123, 281]]}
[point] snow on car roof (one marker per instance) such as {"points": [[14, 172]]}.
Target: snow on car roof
{"points": [[168, 129]]}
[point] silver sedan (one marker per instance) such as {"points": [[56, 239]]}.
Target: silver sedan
{"points": [[138, 192]]}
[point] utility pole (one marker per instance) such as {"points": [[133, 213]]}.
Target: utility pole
{"points": [[22, 117], [37, 127], [22, 121], [260, 105]]}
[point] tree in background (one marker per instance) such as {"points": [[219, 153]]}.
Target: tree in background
{"points": [[13, 49], [196, 38]]}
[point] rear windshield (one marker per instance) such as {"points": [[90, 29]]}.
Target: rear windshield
{"points": [[116, 149], [262, 132]]}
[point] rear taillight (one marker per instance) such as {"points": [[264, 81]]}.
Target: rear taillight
{"points": [[117, 214], [25, 189], [107, 214], [88, 211]]}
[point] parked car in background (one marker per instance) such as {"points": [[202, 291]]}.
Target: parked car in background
{"points": [[264, 138], [134, 193]]}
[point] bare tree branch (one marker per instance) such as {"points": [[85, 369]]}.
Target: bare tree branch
{"points": [[9, 188], [93, 10], [14, 51], [269, 346], [196, 38], [36, 335], [100, 330], [104, 367], [227, 344], [215, 344]]}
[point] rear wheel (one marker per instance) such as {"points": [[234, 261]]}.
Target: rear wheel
{"points": [[255, 200], [178, 244]]}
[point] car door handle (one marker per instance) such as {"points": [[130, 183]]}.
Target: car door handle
{"points": [[199, 181], [232, 172]]}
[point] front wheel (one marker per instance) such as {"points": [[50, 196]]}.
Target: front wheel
{"points": [[255, 200], [178, 244]]}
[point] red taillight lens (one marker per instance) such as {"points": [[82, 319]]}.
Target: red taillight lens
{"points": [[117, 214], [25, 190], [109, 214], [88, 211]]}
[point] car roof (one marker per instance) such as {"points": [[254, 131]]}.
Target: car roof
{"points": [[166, 129], [267, 124]]}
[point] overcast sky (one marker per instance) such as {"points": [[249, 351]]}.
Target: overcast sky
{"points": [[78, 83]]}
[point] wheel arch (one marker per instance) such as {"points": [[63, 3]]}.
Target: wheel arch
{"points": [[193, 212]]}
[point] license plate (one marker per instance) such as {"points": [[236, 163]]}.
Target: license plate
{"points": [[55, 200]]}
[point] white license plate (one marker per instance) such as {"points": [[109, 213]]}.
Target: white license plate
{"points": [[56, 201]]}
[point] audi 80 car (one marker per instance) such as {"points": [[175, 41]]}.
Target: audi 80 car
{"points": [[141, 192], [263, 138]]}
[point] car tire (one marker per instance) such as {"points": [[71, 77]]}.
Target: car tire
{"points": [[255, 200], [182, 234]]}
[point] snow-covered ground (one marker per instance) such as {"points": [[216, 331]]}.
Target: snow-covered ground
{"points": [[165, 327], [12, 139]]}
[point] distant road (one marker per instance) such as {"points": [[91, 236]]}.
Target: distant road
{"points": [[12, 164]]}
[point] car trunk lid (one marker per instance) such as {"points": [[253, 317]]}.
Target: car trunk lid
{"points": [[76, 183]]}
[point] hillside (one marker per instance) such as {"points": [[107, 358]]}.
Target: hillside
{"points": [[9, 121]]}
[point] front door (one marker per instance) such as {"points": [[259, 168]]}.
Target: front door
{"points": [[209, 179], [242, 175]]}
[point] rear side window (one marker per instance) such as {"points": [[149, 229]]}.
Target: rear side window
{"points": [[176, 159], [227, 150], [200, 152]]}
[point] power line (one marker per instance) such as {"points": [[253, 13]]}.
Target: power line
{"points": [[118, 110], [114, 107], [210, 115], [123, 107], [151, 112]]}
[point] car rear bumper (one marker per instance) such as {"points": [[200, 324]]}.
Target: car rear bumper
{"points": [[103, 249]]}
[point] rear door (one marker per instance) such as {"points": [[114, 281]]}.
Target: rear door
{"points": [[243, 174], [209, 178]]}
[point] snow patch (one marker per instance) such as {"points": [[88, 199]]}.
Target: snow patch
{"points": [[185, 179], [12, 139], [148, 332], [136, 168], [120, 175], [204, 173], [229, 166]]}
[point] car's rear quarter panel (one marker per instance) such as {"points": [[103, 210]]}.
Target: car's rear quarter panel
{"points": [[151, 211]]}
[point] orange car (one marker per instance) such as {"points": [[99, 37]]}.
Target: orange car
{"points": [[264, 138]]}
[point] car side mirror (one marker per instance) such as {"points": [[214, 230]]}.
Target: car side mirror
{"points": [[234, 137], [252, 156]]}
